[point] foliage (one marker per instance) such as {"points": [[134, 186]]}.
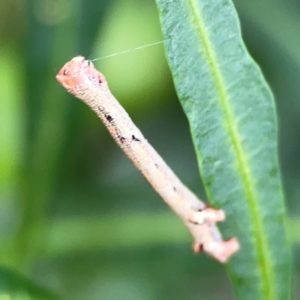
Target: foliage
{"points": [[64, 224]]}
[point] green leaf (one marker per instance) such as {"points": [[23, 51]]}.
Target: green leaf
{"points": [[231, 113]]}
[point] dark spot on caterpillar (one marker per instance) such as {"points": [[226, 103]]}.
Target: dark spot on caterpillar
{"points": [[108, 118], [122, 139], [96, 79], [174, 188], [193, 222], [99, 78], [156, 165], [135, 139], [65, 71], [200, 248]]}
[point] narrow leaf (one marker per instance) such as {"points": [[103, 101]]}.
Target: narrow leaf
{"points": [[232, 118]]}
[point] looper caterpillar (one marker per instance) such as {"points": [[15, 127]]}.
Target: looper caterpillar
{"points": [[81, 79]]}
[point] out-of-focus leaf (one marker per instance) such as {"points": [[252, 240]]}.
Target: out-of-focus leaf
{"points": [[233, 123], [13, 286], [12, 144], [50, 124], [115, 231]]}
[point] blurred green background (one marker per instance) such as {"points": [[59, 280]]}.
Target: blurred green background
{"points": [[75, 216]]}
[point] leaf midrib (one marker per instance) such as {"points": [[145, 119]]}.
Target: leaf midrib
{"points": [[263, 253]]}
